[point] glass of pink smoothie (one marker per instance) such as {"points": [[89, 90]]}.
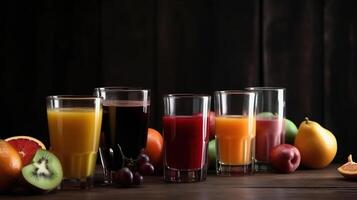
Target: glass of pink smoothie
{"points": [[270, 123]]}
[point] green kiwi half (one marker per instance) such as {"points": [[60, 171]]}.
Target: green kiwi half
{"points": [[44, 172]]}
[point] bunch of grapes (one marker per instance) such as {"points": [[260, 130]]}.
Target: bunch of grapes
{"points": [[133, 171]]}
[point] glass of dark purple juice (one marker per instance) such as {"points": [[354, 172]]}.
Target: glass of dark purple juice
{"points": [[185, 131], [124, 126]]}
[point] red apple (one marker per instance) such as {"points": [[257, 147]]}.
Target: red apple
{"points": [[285, 158], [211, 123]]}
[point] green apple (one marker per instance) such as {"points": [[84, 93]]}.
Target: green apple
{"points": [[212, 155], [290, 131], [265, 114], [290, 128]]}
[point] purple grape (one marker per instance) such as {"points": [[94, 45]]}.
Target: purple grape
{"points": [[146, 169], [141, 159], [131, 164], [124, 177], [138, 179]]}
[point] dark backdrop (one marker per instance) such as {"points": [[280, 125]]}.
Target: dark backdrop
{"points": [[69, 47]]}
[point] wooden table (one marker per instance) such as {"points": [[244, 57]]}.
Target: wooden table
{"points": [[303, 184]]}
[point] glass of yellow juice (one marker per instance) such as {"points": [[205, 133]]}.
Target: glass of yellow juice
{"points": [[74, 124], [235, 132]]}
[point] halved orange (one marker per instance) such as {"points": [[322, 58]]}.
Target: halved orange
{"points": [[349, 169], [26, 146]]}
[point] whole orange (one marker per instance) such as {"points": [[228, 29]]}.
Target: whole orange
{"points": [[154, 147], [10, 165]]}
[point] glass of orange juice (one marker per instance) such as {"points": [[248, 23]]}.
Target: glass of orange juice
{"points": [[74, 124], [235, 132]]}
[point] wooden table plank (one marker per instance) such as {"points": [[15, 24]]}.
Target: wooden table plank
{"points": [[303, 184]]}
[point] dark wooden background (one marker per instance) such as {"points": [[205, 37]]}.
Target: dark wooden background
{"points": [[69, 47]]}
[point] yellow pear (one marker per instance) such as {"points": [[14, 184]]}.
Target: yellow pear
{"points": [[317, 145]]}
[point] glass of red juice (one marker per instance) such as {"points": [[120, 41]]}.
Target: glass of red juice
{"points": [[185, 132], [124, 126], [270, 123]]}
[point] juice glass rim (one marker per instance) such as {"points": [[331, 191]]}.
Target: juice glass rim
{"points": [[244, 92], [122, 89], [265, 88], [73, 97], [185, 95]]}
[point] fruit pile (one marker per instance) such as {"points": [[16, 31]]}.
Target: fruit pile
{"points": [[25, 164], [313, 145], [310, 145]]}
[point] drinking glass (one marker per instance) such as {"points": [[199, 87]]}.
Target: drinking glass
{"points": [[270, 123], [235, 132], [185, 132], [74, 124], [124, 128]]}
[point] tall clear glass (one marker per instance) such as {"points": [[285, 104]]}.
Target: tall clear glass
{"points": [[125, 126], [74, 124], [270, 123], [235, 132], [185, 132]]}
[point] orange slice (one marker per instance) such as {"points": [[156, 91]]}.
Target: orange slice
{"points": [[349, 169], [26, 146]]}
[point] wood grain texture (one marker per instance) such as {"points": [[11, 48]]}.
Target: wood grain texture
{"points": [[303, 184], [201, 43], [292, 43], [51, 47], [205, 46], [340, 73], [60, 47], [128, 46]]}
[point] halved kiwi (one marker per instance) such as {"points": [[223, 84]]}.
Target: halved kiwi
{"points": [[44, 172]]}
